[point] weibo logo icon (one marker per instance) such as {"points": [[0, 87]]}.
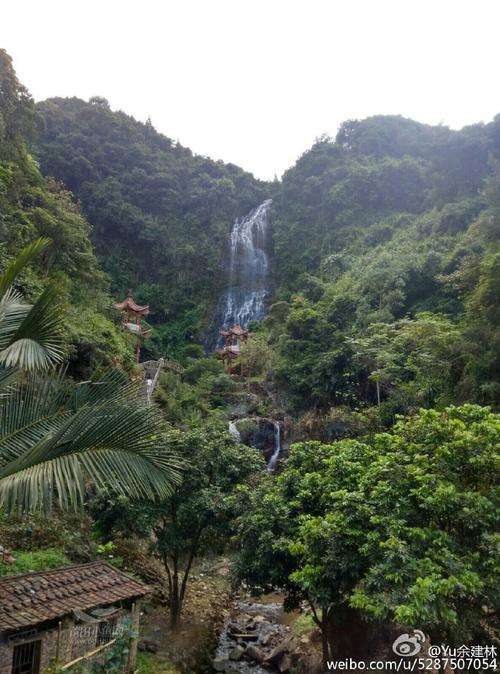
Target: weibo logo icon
{"points": [[408, 645]]}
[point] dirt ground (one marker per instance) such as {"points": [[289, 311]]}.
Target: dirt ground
{"points": [[189, 647]]}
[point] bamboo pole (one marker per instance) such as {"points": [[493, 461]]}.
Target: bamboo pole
{"points": [[134, 639]]}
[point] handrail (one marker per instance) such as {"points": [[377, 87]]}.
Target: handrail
{"points": [[88, 655]]}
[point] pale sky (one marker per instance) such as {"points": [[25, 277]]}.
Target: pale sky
{"points": [[254, 82]]}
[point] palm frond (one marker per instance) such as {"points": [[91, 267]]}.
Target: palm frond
{"points": [[13, 310], [9, 275], [37, 341], [49, 446], [113, 387], [7, 379]]}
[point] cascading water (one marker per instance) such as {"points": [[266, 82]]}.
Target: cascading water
{"points": [[262, 433], [233, 429], [277, 448], [249, 278]]}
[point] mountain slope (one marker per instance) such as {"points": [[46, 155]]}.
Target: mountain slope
{"points": [[160, 214], [32, 206], [380, 241]]}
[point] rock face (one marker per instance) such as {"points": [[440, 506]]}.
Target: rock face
{"points": [[258, 432]]}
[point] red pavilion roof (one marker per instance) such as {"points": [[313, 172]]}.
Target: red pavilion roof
{"points": [[130, 305], [236, 330]]}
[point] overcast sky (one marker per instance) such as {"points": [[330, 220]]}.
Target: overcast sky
{"points": [[255, 81]]}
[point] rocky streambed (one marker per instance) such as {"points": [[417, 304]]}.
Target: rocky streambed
{"points": [[251, 640]]}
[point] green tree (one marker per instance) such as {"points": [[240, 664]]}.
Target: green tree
{"points": [[16, 106], [401, 528], [304, 530], [197, 515], [373, 351], [433, 494], [417, 359]]}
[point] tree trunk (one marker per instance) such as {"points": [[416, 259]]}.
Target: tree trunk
{"points": [[175, 612], [325, 625], [325, 646], [175, 599]]}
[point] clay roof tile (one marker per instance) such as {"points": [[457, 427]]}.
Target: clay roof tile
{"points": [[23, 602]]}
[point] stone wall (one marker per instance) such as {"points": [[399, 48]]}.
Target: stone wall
{"points": [[48, 650], [75, 641], [5, 659]]}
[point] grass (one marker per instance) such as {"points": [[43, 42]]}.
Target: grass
{"points": [[148, 663], [303, 625], [36, 560]]}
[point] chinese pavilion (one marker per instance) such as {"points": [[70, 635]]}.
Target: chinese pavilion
{"points": [[135, 312], [231, 349]]}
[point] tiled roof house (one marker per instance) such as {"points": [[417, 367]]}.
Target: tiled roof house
{"points": [[64, 615]]}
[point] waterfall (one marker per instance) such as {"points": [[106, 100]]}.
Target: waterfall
{"points": [[233, 429], [249, 277], [277, 448], [253, 439]]}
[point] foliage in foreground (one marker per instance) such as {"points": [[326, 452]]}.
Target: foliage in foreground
{"points": [[197, 517], [54, 435], [401, 528]]}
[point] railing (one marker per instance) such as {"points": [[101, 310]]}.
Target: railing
{"points": [[89, 655], [154, 368]]}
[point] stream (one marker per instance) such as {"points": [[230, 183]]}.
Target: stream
{"points": [[250, 634]]}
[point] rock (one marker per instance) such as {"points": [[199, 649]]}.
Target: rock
{"points": [[234, 628], [232, 669], [219, 664], [236, 653], [255, 654], [287, 663], [278, 653], [243, 618], [266, 637]]}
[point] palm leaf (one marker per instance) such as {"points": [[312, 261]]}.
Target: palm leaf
{"points": [[37, 341], [13, 310], [13, 270], [52, 440]]}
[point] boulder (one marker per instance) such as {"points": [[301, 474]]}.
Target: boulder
{"points": [[266, 637], [219, 664], [234, 628], [236, 653], [288, 663], [255, 654], [258, 432], [276, 656]]}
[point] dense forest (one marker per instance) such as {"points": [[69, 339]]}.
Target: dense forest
{"points": [[160, 214], [375, 375], [382, 238], [386, 243]]}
